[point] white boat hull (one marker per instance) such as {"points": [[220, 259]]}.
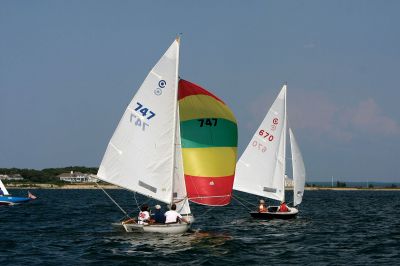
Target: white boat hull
{"points": [[157, 228], [175, 228]]}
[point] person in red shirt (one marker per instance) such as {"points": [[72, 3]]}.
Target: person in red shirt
{"points": [[283, 207]]}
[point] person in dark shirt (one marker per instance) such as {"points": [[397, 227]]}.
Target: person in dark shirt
{"points": [[158, 215]]}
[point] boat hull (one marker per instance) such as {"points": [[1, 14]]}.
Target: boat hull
{"points": [[173, 228], [8, 200], [158, 228], [270, 214]]}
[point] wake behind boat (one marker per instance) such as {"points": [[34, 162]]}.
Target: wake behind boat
{"points": [[175, 142], [7, 200], [261, 168]]}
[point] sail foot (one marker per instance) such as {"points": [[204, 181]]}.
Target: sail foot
{"points": [[213, 191]]}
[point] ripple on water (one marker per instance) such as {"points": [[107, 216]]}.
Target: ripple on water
{"points": [[74, 227]]}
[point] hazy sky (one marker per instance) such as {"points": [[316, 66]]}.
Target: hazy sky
{"points": [[69, 68]]}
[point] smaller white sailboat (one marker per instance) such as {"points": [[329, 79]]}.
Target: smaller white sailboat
{"points": [[261, 168], [8, 200]]}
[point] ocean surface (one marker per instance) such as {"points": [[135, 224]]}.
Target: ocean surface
{"points": [[73, 227]]}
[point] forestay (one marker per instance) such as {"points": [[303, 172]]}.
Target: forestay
{"points": [[299, 172], [261, 168], [179, 188], [139, 156]]}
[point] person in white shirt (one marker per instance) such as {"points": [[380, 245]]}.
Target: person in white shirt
{"points": [[144, 215], [172, 216]]}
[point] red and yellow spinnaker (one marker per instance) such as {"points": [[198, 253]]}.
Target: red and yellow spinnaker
{"points": [[209, 145]]}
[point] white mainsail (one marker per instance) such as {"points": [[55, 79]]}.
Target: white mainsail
{"points": [[140, 154], [3, 188], [299, 171], [261, 168]]}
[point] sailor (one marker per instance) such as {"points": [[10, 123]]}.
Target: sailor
{"points": [[144, 215], [283, 207], [172, 216], [158, 215], [261, 207]]}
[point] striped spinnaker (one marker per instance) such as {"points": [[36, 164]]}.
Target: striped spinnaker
{"points": [[209, 145]]}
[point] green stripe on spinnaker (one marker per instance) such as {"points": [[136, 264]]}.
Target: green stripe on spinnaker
{"points": [[219, 133]]}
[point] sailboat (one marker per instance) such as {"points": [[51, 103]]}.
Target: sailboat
{"points": [[262, 167], [175, 143], [7, 199]]}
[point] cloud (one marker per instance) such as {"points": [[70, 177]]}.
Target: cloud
{"points": [[318, 115], [309, 45], [367, 116]]}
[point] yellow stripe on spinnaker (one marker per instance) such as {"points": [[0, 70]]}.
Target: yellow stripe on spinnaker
{"points": [[203, 106], [212, 162]]}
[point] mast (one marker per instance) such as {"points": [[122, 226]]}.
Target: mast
{"points": [[178, 39], [284, 144]]}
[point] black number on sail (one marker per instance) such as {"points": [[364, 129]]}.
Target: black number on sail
{"points": [[210, 122]]}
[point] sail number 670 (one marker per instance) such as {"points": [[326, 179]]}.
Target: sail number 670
{"points": [[266, 135]]}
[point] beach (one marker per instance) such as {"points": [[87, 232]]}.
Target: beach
{"points": [[109, 186]]}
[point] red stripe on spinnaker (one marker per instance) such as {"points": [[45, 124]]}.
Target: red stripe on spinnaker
{"points": [[187, 88], [213, 191]]}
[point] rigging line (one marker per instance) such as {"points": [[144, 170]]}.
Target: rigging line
{"points": [[242, 203], [244, 200], [137, 204], [211, 208], [113, 201]]}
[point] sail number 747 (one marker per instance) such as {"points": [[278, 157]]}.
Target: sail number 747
{"points": [[146, 112], [210, 122]]}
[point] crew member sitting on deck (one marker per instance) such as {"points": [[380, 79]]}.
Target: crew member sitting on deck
{"points": [[283, 207], [158, 216], [172, 216], [144, 215], [261, 207]]}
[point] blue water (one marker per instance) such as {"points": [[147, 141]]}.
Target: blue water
{"points": [[72, 227]]}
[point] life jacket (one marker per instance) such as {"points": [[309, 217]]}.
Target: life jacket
{"points": [[283, 208]]}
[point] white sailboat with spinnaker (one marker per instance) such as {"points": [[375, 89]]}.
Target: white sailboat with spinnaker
{"points": [[148, 155]]}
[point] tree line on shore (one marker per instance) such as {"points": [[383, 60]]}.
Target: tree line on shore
{"points": [[47, 175]]}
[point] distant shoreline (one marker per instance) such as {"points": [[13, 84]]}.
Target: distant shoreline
{"points": [[109, 186]]}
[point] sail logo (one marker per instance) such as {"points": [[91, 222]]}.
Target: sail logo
{"points": [[274, 123], [161, 85]]}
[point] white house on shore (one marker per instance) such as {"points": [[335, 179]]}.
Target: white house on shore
{"points": [[288, 182], [77, 177], [12, 177]]}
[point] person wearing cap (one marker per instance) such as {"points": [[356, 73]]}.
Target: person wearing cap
{"points": [[283, 207], [158, 215], [261, 207], [172, 216]]}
